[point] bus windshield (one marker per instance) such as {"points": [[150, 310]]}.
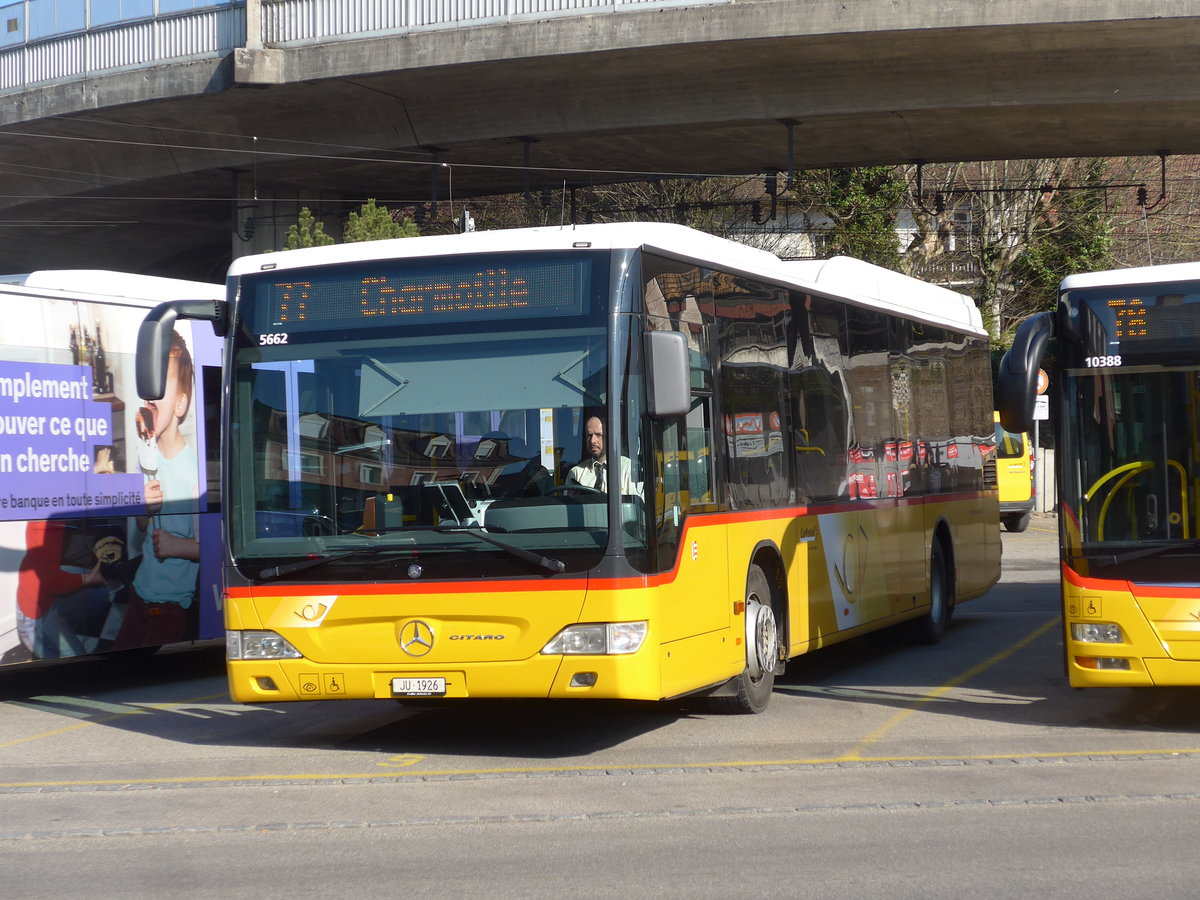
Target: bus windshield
{"points": [[1132, 430], [440, 439]]}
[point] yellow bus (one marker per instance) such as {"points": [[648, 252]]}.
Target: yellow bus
{"points": [[613, 461], [1126, 414], [1014, 478]]}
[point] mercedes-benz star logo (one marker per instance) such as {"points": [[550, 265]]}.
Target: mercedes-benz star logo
{"points": [[416, 638]]}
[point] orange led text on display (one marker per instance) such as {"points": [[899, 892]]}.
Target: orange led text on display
{"points": [[1131, 318], [492, 289]]}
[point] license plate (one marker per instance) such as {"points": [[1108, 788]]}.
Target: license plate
{"points": [[419, 687]]}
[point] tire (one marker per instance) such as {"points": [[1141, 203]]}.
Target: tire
{"points": [[757, 681], [1017, 524], [930, 627]]}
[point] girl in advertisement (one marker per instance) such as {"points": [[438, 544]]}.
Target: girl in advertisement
{"points": [[164, 585]]}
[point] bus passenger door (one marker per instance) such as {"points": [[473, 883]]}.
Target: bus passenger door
{"points": [[695, 551]]}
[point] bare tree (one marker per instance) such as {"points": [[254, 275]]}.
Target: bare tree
{"points": [[973, 221], [1161, 222]]}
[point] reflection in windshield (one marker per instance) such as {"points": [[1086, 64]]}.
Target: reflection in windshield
{"points": [[432, 444], [312, 562]]}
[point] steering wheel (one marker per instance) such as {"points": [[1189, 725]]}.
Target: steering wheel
{"points": [[582, 488]]}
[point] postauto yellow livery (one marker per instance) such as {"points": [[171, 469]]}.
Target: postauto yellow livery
{"points": [[1126, 413], [619, 461], [1014, 478]]}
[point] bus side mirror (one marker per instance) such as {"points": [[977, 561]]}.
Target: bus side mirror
{"points": [[1016, 381], [668, 384], [154, 339]]}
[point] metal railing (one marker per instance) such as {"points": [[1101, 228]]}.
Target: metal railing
{"points": [[177, 32], [305, 21], [27, 62]]}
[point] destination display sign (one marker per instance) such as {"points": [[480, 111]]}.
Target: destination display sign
{"points": [[419, 292], [1138, 323], [1139, 318]]}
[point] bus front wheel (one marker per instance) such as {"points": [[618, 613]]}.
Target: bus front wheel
{"points": [[757, 681], [930, 627]]}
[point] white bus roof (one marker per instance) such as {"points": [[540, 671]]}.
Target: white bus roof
{"points": [[848, 279], [102, 284], [1189, 271], [854, 279]]}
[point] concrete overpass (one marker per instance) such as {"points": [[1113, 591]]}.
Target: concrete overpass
{"points": [[152, 165]]}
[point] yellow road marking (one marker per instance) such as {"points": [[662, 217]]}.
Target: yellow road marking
{"points": [[878, 733], [402, 760], [616, 767]]}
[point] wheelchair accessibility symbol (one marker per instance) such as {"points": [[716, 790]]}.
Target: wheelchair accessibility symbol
{"points": [[313, 685]]}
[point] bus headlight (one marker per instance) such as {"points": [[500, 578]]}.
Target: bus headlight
{"points": [[601, 639], [1096, 633], [258, 645]]}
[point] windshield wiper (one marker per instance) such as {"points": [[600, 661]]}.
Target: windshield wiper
{"points": [[554, 565], [313, 561]]}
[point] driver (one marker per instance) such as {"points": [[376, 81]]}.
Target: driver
{"points": [[593, 471]]}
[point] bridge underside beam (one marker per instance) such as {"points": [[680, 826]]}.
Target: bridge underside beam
{"points": [[680, 96]]}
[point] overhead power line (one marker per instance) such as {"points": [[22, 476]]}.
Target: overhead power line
{"points": [[251, 151]]}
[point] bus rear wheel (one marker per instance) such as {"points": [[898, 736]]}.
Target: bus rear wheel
{"points": [[1017, 524], [757, 681]]}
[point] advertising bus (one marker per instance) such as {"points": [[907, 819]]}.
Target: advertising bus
{"points": [[611, 461], [108, 504], [1126, 417]]}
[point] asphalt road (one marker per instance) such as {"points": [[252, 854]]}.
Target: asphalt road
{"points": [[880, 768]]}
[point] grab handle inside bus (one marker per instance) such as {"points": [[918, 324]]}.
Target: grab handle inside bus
{"points": [[154, 339], [1016, 381]]}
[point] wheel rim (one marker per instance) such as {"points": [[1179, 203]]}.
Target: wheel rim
{"points": [[761, 638], [937, 585]]}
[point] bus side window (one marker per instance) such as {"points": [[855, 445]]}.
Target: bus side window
{"points": [[211, 380], [684, 481], [669, 487], [699, 453], [820, 424]]}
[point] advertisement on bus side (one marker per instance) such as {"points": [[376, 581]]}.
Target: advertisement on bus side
{"points": [[100, 491]]}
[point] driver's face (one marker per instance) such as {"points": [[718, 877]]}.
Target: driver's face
{"points": [[593, 436]]}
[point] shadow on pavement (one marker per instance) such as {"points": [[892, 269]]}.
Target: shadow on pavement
{"points": [[1000, 662]]}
